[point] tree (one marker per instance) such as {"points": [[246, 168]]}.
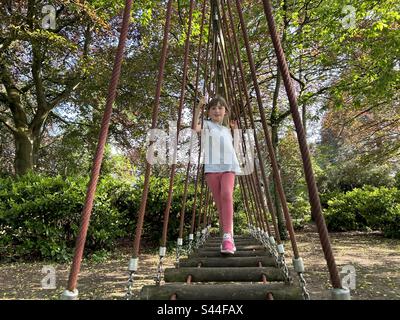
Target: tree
{"points": [[43, 64], [40, 68]]}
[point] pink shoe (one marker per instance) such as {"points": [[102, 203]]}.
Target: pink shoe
{"points": [[228, 246]]}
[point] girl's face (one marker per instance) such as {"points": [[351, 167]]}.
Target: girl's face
{"points": [[217, 113]]}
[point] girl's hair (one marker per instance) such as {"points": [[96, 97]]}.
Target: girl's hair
{"points": [[219, 99]]}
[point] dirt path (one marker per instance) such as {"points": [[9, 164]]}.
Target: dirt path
{"points": [[376, 261]]}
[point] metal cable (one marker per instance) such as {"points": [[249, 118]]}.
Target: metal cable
{"points": [[94, 177], [305, 153]]}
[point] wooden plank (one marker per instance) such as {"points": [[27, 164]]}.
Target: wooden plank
{"points": [[214, 274], [228, 262], [217, 253], [239, 242], [238, 247], [221, 291]]}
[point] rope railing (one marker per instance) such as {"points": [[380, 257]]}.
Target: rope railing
{"points": [[305, 153], [72, 292], [242, 84], [227, 67], [229, 84], [189, 165], [200, 168], [133, 262], [271, 153], [163, 245], [225, 76]]}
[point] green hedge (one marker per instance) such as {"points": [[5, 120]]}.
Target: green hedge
{"points": [[300, 212], [366, 208], [40, 215]]}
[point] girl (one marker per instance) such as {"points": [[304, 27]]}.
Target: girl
{"points": [[221, 163]]}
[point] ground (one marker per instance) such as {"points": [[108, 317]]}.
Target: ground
{"points": [[376, 261]]}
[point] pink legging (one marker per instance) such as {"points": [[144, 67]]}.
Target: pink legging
{"points": [[221, 185]]}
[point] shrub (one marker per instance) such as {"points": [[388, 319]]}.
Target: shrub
{"points": [[40, 216], [397, 180], [340, 216], [366, 208], [300, 212], [391, 225]]}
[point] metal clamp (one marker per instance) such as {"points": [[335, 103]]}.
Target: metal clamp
{"points": [[298, 265], [272, 240], [133, 264], [341, 294], [70, 295]]}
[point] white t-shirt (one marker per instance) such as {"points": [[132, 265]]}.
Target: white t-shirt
{"points": [[218, 152]]}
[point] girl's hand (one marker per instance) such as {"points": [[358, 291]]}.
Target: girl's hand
{"points": [[202, 101], [200, 104], [234, 124]]}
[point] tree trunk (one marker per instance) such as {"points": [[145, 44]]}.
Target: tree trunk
{"points": [[278, 209], [275, 140], [23, 153]]}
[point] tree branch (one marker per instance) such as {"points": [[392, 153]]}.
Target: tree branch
{"points": [[8, 124], [13, 97], [27, 87], [37, 60], [64, 94], [302, 84], [55, 115], [283, 116]]}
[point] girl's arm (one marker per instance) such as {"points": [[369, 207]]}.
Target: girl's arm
{"points": [[197, 112], [234, 124]]}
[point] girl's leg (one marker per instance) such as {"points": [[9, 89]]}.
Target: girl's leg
{"points": [[214, 183], [226, 198]]}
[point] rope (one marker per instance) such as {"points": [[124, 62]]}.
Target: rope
{"points": [[261, 199], [227, 73], [202, 189], [181, 100], [258, 148], [200, 167], [205, 211], [94, 177], [193, 121], [305, 153], [195, 197], [244, 196], [257, 200], [253, 201], [275, 169], [143, 201]]}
